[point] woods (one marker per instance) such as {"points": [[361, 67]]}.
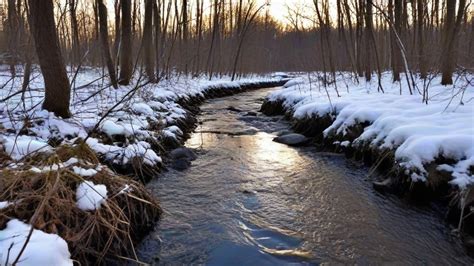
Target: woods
{"points": [[219, 38], [100, 97]]}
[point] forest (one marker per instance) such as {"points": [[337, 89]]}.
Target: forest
{"points": [[155, 132]]}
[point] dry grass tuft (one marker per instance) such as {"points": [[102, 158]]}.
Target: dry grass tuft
{"points": [[93, 236]]}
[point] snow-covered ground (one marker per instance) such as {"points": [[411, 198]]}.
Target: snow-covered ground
{"points": [[26, 128], [419, 132]]}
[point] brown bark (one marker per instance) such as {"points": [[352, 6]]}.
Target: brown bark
{"points": [[421, 55], [104, 41], [149, 57], [157, 27], [185, 34], [126, 63], [43, 29], [117, 5], [368, 37], [75, 58], [451, 28], [12, 36], [397, 64]]}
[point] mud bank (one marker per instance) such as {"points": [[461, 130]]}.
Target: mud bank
{"points": [[391, 177]]}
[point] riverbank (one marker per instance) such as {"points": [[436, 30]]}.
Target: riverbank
{"points": [[76, 180], [424, 150]]}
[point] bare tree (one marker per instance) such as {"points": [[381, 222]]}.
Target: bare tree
{"points": [[126, 62], [149, 57], [76, 54], [397, 64], [421, 6], [104, 40], [13, 22], [451, 28], [43, 29]]}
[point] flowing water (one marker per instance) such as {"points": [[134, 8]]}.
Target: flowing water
{"points": [[247, 200]]}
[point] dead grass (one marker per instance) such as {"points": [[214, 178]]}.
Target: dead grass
{"points": [[93, 237]]}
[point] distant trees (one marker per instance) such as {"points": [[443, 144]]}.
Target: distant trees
{"points": [[164, 38], [43, 29]]}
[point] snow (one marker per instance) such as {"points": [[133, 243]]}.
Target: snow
{"points": [[4, 204], [127, 189], [89, 196], [419, 133], [345, 143], [20, 146], [111, 128], [173, 132], [84, 172], [41, 249], [142, 108]]}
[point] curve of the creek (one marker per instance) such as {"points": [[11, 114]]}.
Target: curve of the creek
{"points": [[247, 200]]}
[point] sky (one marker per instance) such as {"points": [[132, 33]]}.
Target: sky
{"points": [[279, 8]]}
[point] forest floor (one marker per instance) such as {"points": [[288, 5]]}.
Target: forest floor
{"points": [[76, 180]]}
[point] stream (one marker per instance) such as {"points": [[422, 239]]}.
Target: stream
{"points": [[247, 200]]}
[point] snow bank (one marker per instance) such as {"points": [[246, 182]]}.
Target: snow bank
{"points": [[42, 248], [20, 146], [130, 127], [419, 133], [89, 196]]}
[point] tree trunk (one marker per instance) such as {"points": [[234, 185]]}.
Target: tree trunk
{"points": [[185, 35], [368, 36], [104, 40], [57, 89], [75, 58], [126, 63], [117, 5], [12, 36], [451, 28], [157, 28], [395, 49], [149, 57], [421, 55]]}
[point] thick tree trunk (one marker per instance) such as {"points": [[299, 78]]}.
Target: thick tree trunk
{"points": [[451, 28], [126, 63], [104, 40], [43, 29], [421, 43], [397, 64], [149, 57], [446, 55]]}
